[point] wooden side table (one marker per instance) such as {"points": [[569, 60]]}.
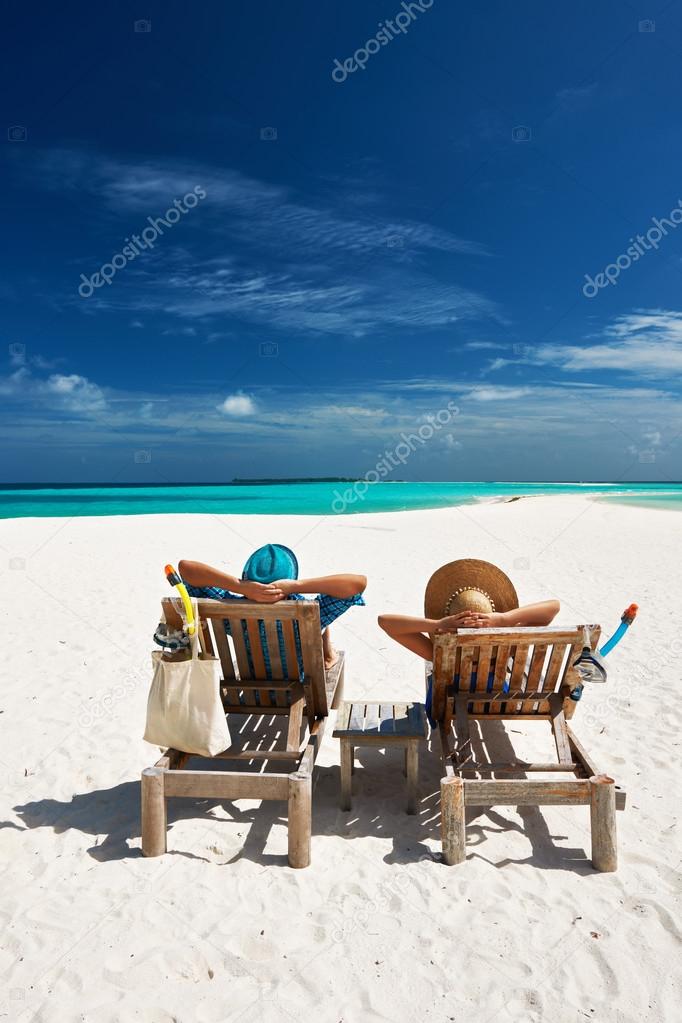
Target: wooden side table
{"points": [[372, 723]]}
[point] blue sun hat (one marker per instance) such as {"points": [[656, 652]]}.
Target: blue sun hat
{"points": [[269, 563]]}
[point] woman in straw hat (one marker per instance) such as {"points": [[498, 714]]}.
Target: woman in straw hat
{"points": [[465, 594]]}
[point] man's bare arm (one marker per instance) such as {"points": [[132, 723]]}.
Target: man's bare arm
{"points": [[341, 585], [197, 574]]}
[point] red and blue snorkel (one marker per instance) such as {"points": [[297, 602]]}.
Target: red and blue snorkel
{"points": [[627, 618]]}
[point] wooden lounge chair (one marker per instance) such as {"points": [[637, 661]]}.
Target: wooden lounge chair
{"points": [[515, 674], [299, 690]]}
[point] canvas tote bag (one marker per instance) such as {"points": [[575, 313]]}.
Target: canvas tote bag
{"points": [[184, 709]]}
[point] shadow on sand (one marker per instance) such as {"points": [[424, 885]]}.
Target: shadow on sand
{"points": [[379, 795]]}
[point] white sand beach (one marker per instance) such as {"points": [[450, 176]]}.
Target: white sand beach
{"points": [[220, 928]]}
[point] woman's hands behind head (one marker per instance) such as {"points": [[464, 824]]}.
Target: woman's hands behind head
{"points": [[471, 620]]}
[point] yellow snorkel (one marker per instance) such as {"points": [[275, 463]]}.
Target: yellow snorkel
{"points": [[175, 580]]}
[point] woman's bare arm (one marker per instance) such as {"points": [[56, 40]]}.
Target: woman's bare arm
{"points": [[541, 613], [415, 633], [410, 632]]}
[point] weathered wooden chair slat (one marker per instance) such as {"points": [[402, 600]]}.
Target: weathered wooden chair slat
{"points": [[259, 689], [357, 717], [239, 645], [289, 648], [257, 659], [372, 717], [483, 661], [272, 641], [524, 675], [534, 678], [311, 651]]}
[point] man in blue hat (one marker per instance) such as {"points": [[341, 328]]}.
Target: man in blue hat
{"points": [[271, 574]]}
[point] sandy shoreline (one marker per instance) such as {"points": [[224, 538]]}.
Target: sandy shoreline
{"points": [[376, 929]]}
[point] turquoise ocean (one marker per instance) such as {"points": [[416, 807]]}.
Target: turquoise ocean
{"points": [[302, 498]]}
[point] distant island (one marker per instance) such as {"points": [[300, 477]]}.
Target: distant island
{"points": [[296, 479], [306, 479], [237, 482]]}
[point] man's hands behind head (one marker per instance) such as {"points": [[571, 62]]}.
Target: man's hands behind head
{"points": [[263, 593]]}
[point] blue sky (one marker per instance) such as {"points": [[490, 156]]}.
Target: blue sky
{"points": [[366, 250]]}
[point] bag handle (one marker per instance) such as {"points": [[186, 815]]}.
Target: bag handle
{"points": [[197, 640]]}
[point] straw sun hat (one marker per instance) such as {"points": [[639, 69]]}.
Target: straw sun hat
{"points": [[468, 585]]}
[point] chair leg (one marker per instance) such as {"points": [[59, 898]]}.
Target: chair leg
{"points": [[346, 770], [300, 818], [452, 821], [153, 812], [412, 771], [603, 823]]}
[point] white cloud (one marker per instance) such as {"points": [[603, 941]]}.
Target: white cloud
{"points": [[18, 357], [14, 383], [23, 383], [480, 346], [76, 392], [355, 306], [262, 211], [238, 404], [549, 419], [646, 342], [499, 393], [314, 281], [358, 411]]}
